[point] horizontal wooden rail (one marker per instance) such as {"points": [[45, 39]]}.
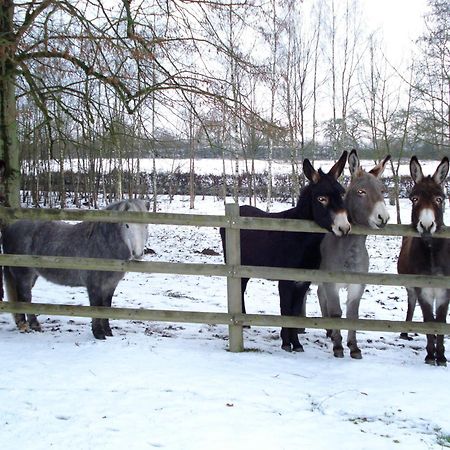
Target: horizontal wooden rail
{"points": [[269, 273], [247, 223], [265, 320]]}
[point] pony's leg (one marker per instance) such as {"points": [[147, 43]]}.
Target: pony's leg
{"points": [[105, 322], [289, 336], [334, 310], [96, 299], [426, 304], [19, 282], [354, 294], [412, 300], [321, 293], [441, 316]]}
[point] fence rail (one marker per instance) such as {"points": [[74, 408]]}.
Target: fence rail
{"points": [[232, 270]]}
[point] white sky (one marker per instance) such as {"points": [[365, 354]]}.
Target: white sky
{"points": [[400, 23]]}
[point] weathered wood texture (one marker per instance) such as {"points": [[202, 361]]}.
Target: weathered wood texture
{"points": [[233, 271]]}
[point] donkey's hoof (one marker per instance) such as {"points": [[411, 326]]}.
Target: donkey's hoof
{"points": [[338, 352], [99, 335], [287, 348], [430, 360], [356, 354], [35, 326], [298, 348], [406, 337], [23, 326], [442, 361]]}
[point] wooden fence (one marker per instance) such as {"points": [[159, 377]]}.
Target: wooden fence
{"points": [[234, 318]]}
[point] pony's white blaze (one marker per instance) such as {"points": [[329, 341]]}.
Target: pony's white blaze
{"points": [[379, 216], [341, 226], [135, 235], [426, 222]]}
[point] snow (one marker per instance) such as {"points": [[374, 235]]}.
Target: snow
{"points": [[175, 386]]}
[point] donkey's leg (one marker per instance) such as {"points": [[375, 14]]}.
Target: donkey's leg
{"points": [[334, 310], [441, 316], [322, 295], [354, 294], [299, 309], [244, 282], [426, 304], [289, 336], [412, 300]]}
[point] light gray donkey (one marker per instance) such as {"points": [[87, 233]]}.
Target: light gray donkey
{"points": [[365, 206], [86, 240]]}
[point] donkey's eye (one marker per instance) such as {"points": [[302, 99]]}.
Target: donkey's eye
{"points": [[361, 192], [415, 199], [323, 200], [439, 200]]}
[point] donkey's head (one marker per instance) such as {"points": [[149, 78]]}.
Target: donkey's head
{"points": [[325, 197], [364, 199], [427, 197]]}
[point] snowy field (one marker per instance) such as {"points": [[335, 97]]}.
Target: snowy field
{"points": [[172, 386], [206, 166]]}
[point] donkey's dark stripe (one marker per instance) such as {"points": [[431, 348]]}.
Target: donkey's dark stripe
{"points": [[86, 240], [321, 201], [365, 205], [426, 255]]}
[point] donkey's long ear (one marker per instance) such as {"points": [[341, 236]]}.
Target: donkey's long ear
{"points": [[442, 171], [338, 168], [310, 172], [379, 168], [353, 162], [415, 169]]}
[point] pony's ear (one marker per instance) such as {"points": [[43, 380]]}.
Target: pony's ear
{"points": [[442, 171], [338, 168], [310, 172], [415, 169], [379, 168], [353, 162]]}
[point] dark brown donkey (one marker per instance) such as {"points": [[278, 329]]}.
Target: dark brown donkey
{"points": [[427, 255]]}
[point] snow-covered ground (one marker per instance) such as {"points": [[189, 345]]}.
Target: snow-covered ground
{"points": [[175, 386], [206, 166]]}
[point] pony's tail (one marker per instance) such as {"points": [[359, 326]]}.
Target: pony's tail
{"points": [[10, 286]]}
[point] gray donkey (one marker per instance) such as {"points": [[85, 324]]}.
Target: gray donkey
{"points": [[365, 206], [86, 240]]}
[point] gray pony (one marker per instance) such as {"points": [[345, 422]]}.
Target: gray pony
{"points": [[85, 240], [365, 206]]}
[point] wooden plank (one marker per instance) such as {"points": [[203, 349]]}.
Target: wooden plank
{"points": [[11, 214], [225, 318], [233, 251], [269, 273]]}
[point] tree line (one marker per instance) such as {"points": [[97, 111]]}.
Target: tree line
{"points": [[101, 85]]}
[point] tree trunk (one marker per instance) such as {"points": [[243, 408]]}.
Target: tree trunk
{"points": [[9, 146]]}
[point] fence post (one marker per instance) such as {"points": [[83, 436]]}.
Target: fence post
{"points": [[233, 252]]}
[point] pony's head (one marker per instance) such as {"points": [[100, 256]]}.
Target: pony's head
{"points": [[364, 199], [427, 197], [134, 235], [326, 197]]}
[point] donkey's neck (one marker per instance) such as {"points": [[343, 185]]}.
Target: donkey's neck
{"points": [[303, 210]]}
